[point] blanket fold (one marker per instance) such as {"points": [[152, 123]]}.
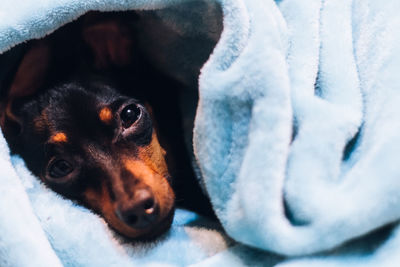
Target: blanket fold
{"points": [[298, 147], [296, 136]]}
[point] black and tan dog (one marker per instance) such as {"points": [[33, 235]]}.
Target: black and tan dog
{"points": [[70, 114]]}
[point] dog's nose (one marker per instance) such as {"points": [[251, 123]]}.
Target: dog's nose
{"points": [[141, 212]]}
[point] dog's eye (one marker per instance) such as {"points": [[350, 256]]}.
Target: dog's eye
{"points": [[60, 168], [129, 115]]}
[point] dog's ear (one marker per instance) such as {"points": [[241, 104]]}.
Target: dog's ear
{"points": [[31, 72], [28, 79], [109, 39]]}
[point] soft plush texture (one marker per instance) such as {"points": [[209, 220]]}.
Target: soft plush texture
{"points": [[296, 137]]}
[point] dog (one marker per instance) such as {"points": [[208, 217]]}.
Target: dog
{"points": [[79, 111]]}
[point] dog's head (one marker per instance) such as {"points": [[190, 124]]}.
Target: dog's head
{"points": [[90, 143]]}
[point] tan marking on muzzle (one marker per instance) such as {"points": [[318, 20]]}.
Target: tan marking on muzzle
{"points": [[157, 182], [153, 155], [101, 202]]}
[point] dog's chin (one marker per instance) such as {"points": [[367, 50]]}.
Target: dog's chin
{"points": [[148, 234], [157, 230]]}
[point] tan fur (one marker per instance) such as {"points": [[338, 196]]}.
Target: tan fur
{"points": [[159, 185], [105, 115], [59, 138], [154, 156]]}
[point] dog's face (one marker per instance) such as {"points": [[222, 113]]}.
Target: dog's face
{"points": [[90, 143]]}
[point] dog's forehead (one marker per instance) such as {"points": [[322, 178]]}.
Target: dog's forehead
{"points": [[74, 109]]}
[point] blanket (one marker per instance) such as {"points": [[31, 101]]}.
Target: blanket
{"points": [[295, 137]]}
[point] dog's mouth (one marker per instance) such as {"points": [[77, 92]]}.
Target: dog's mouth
{"points": [[149, 233], [158, 230]]}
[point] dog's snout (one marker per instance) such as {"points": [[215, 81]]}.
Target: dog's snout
{"points": [[141, 212]]}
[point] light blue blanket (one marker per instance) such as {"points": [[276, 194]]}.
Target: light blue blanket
{"points": [[296, 138]]}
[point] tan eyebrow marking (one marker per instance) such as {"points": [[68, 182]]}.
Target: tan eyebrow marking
{"points": [[59, 138], [105, 115]]}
